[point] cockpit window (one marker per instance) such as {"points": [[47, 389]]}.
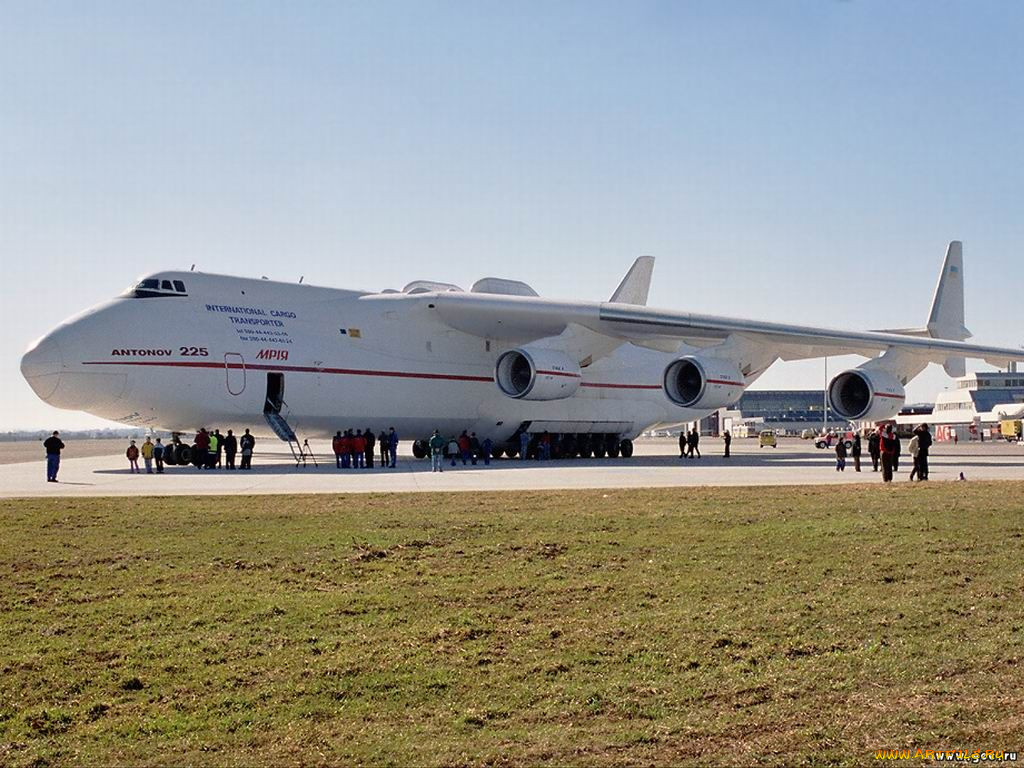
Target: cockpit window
{"points": [[152, 287]]}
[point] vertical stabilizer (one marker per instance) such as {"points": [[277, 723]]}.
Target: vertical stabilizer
{"points": [[636, 284], [946, 320]]}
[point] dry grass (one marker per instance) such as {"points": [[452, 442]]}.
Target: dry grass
{"points": [[727, 626]]}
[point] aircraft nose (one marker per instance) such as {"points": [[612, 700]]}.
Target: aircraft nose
{"points": [[42, 366]]}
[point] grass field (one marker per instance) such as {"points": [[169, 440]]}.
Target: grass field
{"points": [[725, 626]]}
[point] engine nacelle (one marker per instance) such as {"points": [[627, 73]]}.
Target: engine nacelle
{"points": [[703, 382], [866, 394], [529, 373]]}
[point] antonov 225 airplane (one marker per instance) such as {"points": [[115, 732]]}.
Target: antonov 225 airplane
{"points": [[182, 350]]}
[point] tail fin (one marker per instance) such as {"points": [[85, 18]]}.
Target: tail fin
{"points": [[636, 284], [946, 319]]}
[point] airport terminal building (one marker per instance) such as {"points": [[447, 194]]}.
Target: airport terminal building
{"points": [[790, 410]]}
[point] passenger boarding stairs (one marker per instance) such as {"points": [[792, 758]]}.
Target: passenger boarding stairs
{"points": [[281, 427]]}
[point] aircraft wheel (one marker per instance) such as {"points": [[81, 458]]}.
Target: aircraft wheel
{"points": [[185, 454], [598, 448], [612, 448], [511, 451], [418, 450], [497, 453], [170, 455], [626, 449]]}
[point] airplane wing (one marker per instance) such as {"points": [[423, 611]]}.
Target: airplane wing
{"points": [[521, 320]]}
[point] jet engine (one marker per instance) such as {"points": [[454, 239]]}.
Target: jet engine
{"points": [[866, 394], [703, 382], [527, 373]]}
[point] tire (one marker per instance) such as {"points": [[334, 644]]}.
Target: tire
{"points": [[598, 448], [417, 449], [511, 450], [185, 454], [626, 449], [497, 453], [612, 447], [170, 454]]}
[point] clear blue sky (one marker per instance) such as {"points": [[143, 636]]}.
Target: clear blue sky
{"points": [[804, 161]]}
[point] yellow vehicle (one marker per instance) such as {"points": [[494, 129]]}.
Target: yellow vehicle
{"points": [[1010, 429], [768, 438]]}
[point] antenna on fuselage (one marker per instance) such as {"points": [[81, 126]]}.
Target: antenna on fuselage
{"points": [[301, 279], [193, 268]]}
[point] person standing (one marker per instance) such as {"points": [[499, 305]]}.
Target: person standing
{"points": [[436, 452], [230, 450], [158, 456], [358, 445], [147, 455], [684, 444], [346, 448], [247, 444], [695, 444], [463, 443], [336, 447], [524, 444], [898, 451], [202, 444], [855, 452], [133, 457], [474, 448], [218, 448], [913, 448], [887, 449], [924, 444], [393, 446], [874, 449], [384, 442], [841, 455], [486, 449], [53, 447], [727, 439], [371, 444]]}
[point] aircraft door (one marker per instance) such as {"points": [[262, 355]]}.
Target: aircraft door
{"points": [[275, 393], [234, 371]]}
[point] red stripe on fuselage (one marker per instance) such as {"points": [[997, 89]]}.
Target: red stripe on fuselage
{"points": [[338, 371]]}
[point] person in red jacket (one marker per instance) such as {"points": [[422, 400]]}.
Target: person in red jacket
{"points": [[202, 443], [358, 446], [888, 444], [463, 447], [336, 445]]}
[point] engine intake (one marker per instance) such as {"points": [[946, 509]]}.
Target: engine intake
{"points": [[703, 382], [863, 394], [537, 374]]}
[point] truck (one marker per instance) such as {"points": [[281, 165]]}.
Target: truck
{"points": [[1011, 430]]}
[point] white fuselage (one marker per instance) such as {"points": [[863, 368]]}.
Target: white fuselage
{"points": [[206, 356]]}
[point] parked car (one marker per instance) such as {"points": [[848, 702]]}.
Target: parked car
{"points": [[768, 438]]}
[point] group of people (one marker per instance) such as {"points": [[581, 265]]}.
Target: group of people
{"points": [[466, 447], [212, 448], [356, 451], [689, 444], [885, 447]]}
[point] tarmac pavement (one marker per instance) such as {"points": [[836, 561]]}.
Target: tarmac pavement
{"points": [[656, 464]]}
